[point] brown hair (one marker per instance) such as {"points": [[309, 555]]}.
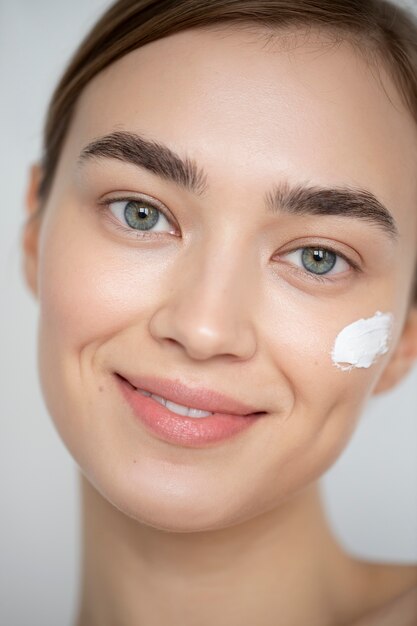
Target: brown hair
{"points": [[387, 31]]}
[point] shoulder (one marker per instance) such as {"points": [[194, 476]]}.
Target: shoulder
{"points": [[390, 597]]}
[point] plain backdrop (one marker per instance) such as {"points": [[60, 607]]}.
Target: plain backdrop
{"points": [[370, 493]]}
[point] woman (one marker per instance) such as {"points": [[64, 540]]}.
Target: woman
{"points": [[222, 238]]}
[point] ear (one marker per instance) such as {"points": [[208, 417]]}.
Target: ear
{"points": [[31, 229], [404, 356]]}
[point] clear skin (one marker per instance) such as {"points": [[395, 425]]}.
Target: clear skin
{"points": [[225, 305]]}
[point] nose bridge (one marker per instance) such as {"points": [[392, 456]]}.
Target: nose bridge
{"points": [[222, 278], [209, 311]]}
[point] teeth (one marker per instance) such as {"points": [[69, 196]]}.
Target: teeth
{"points": [[198, 413], [177, 408], [159, 399]]}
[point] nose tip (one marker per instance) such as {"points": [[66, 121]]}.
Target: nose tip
{"points": [[208, 303], [203, 334]]}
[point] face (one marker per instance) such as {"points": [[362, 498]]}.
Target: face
{"points": [[221, 292]]}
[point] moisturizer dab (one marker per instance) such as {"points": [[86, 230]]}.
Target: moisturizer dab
{"points": [[360, 343]]}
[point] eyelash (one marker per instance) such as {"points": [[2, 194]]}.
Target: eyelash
{"points": [[321, 278], [104, 205]]}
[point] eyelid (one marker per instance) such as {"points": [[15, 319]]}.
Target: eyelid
{"points": [[322, 278], [345, 251], [104, 203], [301, 250]]}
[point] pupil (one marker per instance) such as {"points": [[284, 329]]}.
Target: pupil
{"points": [[318, 255]]}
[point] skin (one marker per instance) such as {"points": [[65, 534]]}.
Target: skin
{"points": [[233, 534]]}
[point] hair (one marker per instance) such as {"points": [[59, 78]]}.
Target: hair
{"points": [[386, 33]]}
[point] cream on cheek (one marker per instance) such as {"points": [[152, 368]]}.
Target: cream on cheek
{"points": [[360, 343]]}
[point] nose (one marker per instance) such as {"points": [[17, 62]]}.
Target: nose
{"points": [[208, 310]]}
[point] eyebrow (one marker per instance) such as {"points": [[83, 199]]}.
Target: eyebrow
{"points": [[341, 201], [151, 155], [297, 199]]}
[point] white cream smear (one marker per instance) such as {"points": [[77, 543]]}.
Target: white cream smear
{"points": [[360, 343]]}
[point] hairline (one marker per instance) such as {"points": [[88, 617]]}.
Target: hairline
{"points": [[328, 36]]}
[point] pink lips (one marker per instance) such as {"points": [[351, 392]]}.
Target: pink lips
{"points": [[197, 398], [229, 416]]}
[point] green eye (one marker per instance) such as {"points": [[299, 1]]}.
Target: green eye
{"points": [[140, 215], [318, 260]]}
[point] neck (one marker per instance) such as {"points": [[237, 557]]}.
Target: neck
{"points": [[282, 564]]}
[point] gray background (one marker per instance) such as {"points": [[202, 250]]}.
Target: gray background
{"points": [[370, 494]]}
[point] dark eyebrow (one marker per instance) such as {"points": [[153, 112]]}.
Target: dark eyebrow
{"points": [[151, 155], [294, 199], [340, 201]]}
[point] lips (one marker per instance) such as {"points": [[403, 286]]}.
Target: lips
{"points": [[193, 397], [181, 430]]}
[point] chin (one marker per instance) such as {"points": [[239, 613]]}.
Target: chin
{"points": [[170, 507]]}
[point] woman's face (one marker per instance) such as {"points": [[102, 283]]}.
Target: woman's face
{"points": [[223, 293]]}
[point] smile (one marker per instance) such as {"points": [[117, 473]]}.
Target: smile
{"points": [[177, 423], [179, 409], [185, 400]]}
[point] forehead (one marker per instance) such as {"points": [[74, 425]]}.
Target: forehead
{"points": [[309, 109]]}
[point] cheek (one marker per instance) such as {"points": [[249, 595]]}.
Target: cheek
{"points": [[88, 289], [302, 333], [322, 402], [88, 293]]}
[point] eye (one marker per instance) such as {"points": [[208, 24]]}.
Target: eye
{"points": [[318, 261], [139, 214]]}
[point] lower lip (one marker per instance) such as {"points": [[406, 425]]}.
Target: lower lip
{"points": [[178, 429]]}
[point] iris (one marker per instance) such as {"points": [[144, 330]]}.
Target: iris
{"points": [[141, 215], [318, 260]]}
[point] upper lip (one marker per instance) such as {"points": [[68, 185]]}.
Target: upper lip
{"points": [[192, 397]]}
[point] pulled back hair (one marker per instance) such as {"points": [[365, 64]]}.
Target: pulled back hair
{"points": [[387, 32]]}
